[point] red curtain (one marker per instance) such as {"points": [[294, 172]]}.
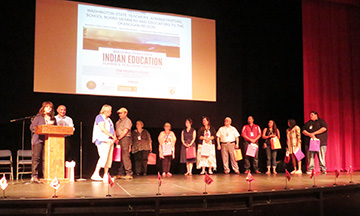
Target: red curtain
{"points": [[331, 55]]}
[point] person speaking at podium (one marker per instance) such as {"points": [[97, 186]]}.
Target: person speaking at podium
{"points": [[45, 116]]}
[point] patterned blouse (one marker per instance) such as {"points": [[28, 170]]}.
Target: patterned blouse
{"points": [[293, 135]]}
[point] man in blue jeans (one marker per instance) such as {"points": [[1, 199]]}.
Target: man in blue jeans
{"points": [[316, 128]]}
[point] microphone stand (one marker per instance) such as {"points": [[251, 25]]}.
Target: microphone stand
{"points": [[81, 154]]}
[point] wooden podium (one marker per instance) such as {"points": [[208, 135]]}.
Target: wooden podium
{"points": [[54, 149]]}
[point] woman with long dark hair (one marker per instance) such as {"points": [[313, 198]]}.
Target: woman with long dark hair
{"points": [[293, 136], [206, 139], [268, 133], [45, 116]]}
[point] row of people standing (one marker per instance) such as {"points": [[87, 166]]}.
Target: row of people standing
{"points": [[140, 144], [228, 140]]}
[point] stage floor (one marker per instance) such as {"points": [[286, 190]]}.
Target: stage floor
{"points": [[177, 185]]}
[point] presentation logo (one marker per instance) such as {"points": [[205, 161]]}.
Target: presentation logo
{"points": [[91, 85]]}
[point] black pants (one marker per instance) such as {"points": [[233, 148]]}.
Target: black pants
{"points": [[141, 161], [69, 156], [166, 163], [37, 159]]}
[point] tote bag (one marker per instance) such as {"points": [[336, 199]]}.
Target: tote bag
{"points": [[275, 143], [238, 155], [117, 153], [151, 159], [251, 150], [190, 152], [314, 145]]}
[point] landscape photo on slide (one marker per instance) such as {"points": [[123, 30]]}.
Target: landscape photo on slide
{"points": [[93, 38]]}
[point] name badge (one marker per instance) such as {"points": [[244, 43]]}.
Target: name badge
{"points": [[251, 134], [311, 127], [139, 137]]}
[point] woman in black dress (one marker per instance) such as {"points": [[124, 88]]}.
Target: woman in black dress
{"points": [[188, 137]]}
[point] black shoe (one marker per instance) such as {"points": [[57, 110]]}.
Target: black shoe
{"points": [[323, 172]]}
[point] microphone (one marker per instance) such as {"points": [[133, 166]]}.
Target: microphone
{"points": [[21, 119]]}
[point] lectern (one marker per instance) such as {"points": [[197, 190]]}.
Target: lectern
{"points": [[54, 149]]}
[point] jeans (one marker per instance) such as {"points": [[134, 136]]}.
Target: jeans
{"points": [[321, 157], [255, 160], [271, 157]]}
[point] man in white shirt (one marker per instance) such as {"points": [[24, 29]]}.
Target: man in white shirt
{"points": [[227, 140], [63, 120]]}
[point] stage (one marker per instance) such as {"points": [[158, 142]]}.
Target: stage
{"points": [[183, 195]]}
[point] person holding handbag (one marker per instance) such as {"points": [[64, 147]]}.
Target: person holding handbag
{"points": [[104, 138], [206, 158], [251, 134], [167, 140], [228, 141], [271, 132], [188, 147], [141, 147], [316, 128], [293, 137]]}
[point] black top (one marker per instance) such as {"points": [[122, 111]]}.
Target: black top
{"points": [[312, 126], [140, 141], [188, 136], [268, 133], [201, 132]]}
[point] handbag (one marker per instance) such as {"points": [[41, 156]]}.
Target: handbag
{"points": [[287, 157], [299, 154], [251, 150], [151, 159], [205, 150], [314, 145], [275, 143], [190, 152], [167, 149], [238, 155], [117, 153]]}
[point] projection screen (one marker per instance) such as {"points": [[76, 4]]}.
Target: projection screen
{"points": [[90, 49]]}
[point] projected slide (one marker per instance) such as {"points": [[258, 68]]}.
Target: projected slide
{"points": [[131, 53], [89, 49]]}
